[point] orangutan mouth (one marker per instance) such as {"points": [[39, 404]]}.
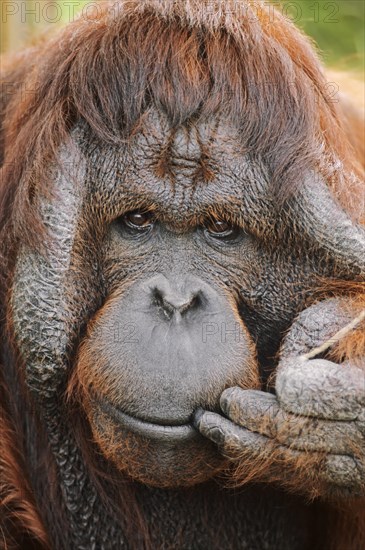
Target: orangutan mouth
{"points": [[147, 429]]}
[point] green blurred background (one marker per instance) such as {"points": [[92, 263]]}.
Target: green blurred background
{"points": [[337, 28]]}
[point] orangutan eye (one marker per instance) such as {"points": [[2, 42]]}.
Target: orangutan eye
{"points": [[138, 220], [220, 228]]}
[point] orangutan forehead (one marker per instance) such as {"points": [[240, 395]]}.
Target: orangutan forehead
{"points": [[190, 154], [183, 172]]}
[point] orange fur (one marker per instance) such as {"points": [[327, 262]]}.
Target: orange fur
{"points": [[217, 56]]}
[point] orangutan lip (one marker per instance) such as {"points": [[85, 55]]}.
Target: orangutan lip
{"points": [[149, 429]]}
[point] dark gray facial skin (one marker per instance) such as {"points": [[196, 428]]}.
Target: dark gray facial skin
{"points": [[174, 314]]}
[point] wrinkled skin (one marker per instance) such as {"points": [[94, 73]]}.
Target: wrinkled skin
{"points": [[318, 407], [177, 217], [190, 303]]}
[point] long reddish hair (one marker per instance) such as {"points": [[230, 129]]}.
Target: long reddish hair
{"points": [[191, 59]]}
